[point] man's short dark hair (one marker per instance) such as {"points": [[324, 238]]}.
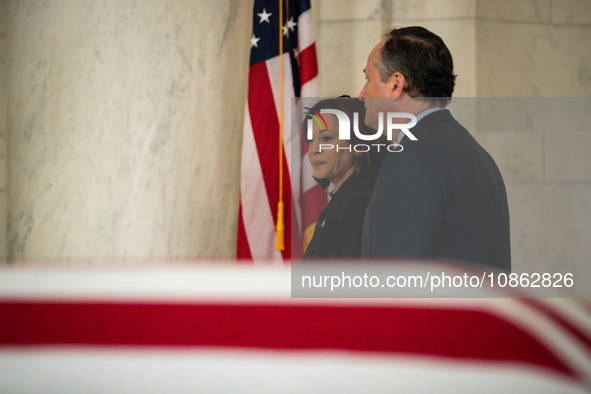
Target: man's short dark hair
{"points": [[422, 57]]}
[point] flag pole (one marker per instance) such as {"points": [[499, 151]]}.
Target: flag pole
{"points": [[280, 226]]}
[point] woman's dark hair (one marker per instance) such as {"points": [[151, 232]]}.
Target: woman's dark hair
{"points": [[424, 60], [369, 162]]}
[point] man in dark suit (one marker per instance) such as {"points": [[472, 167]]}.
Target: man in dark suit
{"points": [[443, 195]]}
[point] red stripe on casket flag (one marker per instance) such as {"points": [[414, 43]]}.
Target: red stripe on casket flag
{"points": [[459, 334], [565, 325]]}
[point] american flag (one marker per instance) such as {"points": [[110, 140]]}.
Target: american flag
{"points": [[260, 185], [235, 328]]}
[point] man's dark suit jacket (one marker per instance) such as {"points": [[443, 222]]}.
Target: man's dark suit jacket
{"points": [[441, 197], [339, 227]]}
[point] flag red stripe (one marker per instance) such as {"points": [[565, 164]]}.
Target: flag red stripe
{"points": [[567, 326], [295, 236], [308, 64], [265, 124], [242, 248], [290, 214], [460, 334]]}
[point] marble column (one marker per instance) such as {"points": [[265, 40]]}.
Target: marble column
{"points": [[3, 115], [124, 127]]}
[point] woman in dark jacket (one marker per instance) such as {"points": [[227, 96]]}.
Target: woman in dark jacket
{"points": [[351, 168]]}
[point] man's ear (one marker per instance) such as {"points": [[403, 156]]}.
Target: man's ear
{"points": [[396, 84]]}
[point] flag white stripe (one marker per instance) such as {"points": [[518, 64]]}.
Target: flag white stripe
{"points": [[296, 166], [256, 212], [288, 94], [571, 311], [182, 370], [305, 31]]}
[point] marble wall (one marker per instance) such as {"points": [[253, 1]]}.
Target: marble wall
{"points": [[540, 48], [534, 48], [541, 146], [455, 22], [349, 29], [3, 128], [124, 123], [526, 48]]}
